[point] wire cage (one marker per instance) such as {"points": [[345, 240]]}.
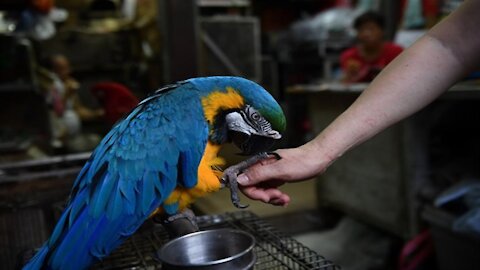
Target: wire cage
{"points": [[274, 250], [26, 219]]}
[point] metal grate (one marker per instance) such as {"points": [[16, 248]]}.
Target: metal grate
{"points": [[20, 230], [274, 250]]}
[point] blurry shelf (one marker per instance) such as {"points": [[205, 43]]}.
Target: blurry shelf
{"points": [[16, 87], [457, 90], [52, 167], [223, 3]]}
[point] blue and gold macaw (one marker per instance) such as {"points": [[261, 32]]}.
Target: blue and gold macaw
{"points": [[160, 158]]}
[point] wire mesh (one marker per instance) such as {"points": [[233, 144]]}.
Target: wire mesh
{"points": [[273, 249], [19, 231]]}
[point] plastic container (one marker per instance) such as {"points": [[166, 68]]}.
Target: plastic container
{"points": [[454, 251]]}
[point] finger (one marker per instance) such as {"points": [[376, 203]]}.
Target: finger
{"points": [[255, 193], [271, 184], [280, 201], [272, 195], [269, 160], [259, 173], [277, 197]]}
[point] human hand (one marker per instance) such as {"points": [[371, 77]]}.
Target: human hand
{"points": [[99, 113], [262, 180], [352, 71], [352, 66]]}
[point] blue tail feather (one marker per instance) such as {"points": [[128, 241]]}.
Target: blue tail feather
{"points": [[37, 262]]}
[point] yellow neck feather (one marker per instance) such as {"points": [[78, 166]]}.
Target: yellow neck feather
{"points": [[217, 101], [208, 180]]}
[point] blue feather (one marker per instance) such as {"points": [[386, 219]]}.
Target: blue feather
{"points": [[71, 239], [77, 205], [171, 209], [60, 227], [188, 175], [148, 192], [126, 188], [102, 195], [37, 262], [82, 173], [116, 204], [162, 184]]}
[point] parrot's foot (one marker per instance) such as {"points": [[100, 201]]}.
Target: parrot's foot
{"points": [[229, 177], [179, 224]]}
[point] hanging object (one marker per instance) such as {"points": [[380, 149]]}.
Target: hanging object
{"points": [[413, 18]]}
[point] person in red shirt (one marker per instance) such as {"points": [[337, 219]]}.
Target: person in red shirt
{"points": [[372, 53]]}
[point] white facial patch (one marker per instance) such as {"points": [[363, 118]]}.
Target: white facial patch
{"points": [[235, 122], [249, 121]]}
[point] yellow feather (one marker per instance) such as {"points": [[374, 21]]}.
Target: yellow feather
{"points": [[218, 100], [208, 180]]}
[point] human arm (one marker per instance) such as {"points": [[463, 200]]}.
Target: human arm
{"points": [[85, 113], [414, 79]]}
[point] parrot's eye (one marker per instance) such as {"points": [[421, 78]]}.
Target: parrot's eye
{"points": [[256, 120]]}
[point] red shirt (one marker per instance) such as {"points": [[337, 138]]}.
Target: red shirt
{"points": [[369, 69]]}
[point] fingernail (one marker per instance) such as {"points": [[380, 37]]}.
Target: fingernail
{"points": [[278, 202], [275, 202], [242, 179]]}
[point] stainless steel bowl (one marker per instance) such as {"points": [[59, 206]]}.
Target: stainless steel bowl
{"points": [[213, 249]]}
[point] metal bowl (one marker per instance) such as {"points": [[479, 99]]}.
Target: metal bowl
{"points": [[213, 249]]}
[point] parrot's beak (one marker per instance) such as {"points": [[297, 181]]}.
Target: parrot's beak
{"points": [[251, 144], [248, 136]]}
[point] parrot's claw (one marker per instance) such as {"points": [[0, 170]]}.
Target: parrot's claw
{"points": [[179, 224], [229, 177], [275, 155]]}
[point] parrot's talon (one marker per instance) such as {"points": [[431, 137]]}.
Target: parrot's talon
{"points": [[275, 155], [229, 177], [178, 224], [240, 206]]}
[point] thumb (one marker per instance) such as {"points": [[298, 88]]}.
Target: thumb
{"points": [[257, 174]]}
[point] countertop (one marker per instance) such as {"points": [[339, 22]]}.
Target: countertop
{"points": [[338, 87]]}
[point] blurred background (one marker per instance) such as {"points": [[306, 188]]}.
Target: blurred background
{"points": [[69, 69]]}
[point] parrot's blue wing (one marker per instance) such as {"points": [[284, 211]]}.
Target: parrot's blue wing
{"points": [[133, 170]]}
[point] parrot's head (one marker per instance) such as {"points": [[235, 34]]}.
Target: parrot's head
{"points": [[250, 130], [243, 112]]}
